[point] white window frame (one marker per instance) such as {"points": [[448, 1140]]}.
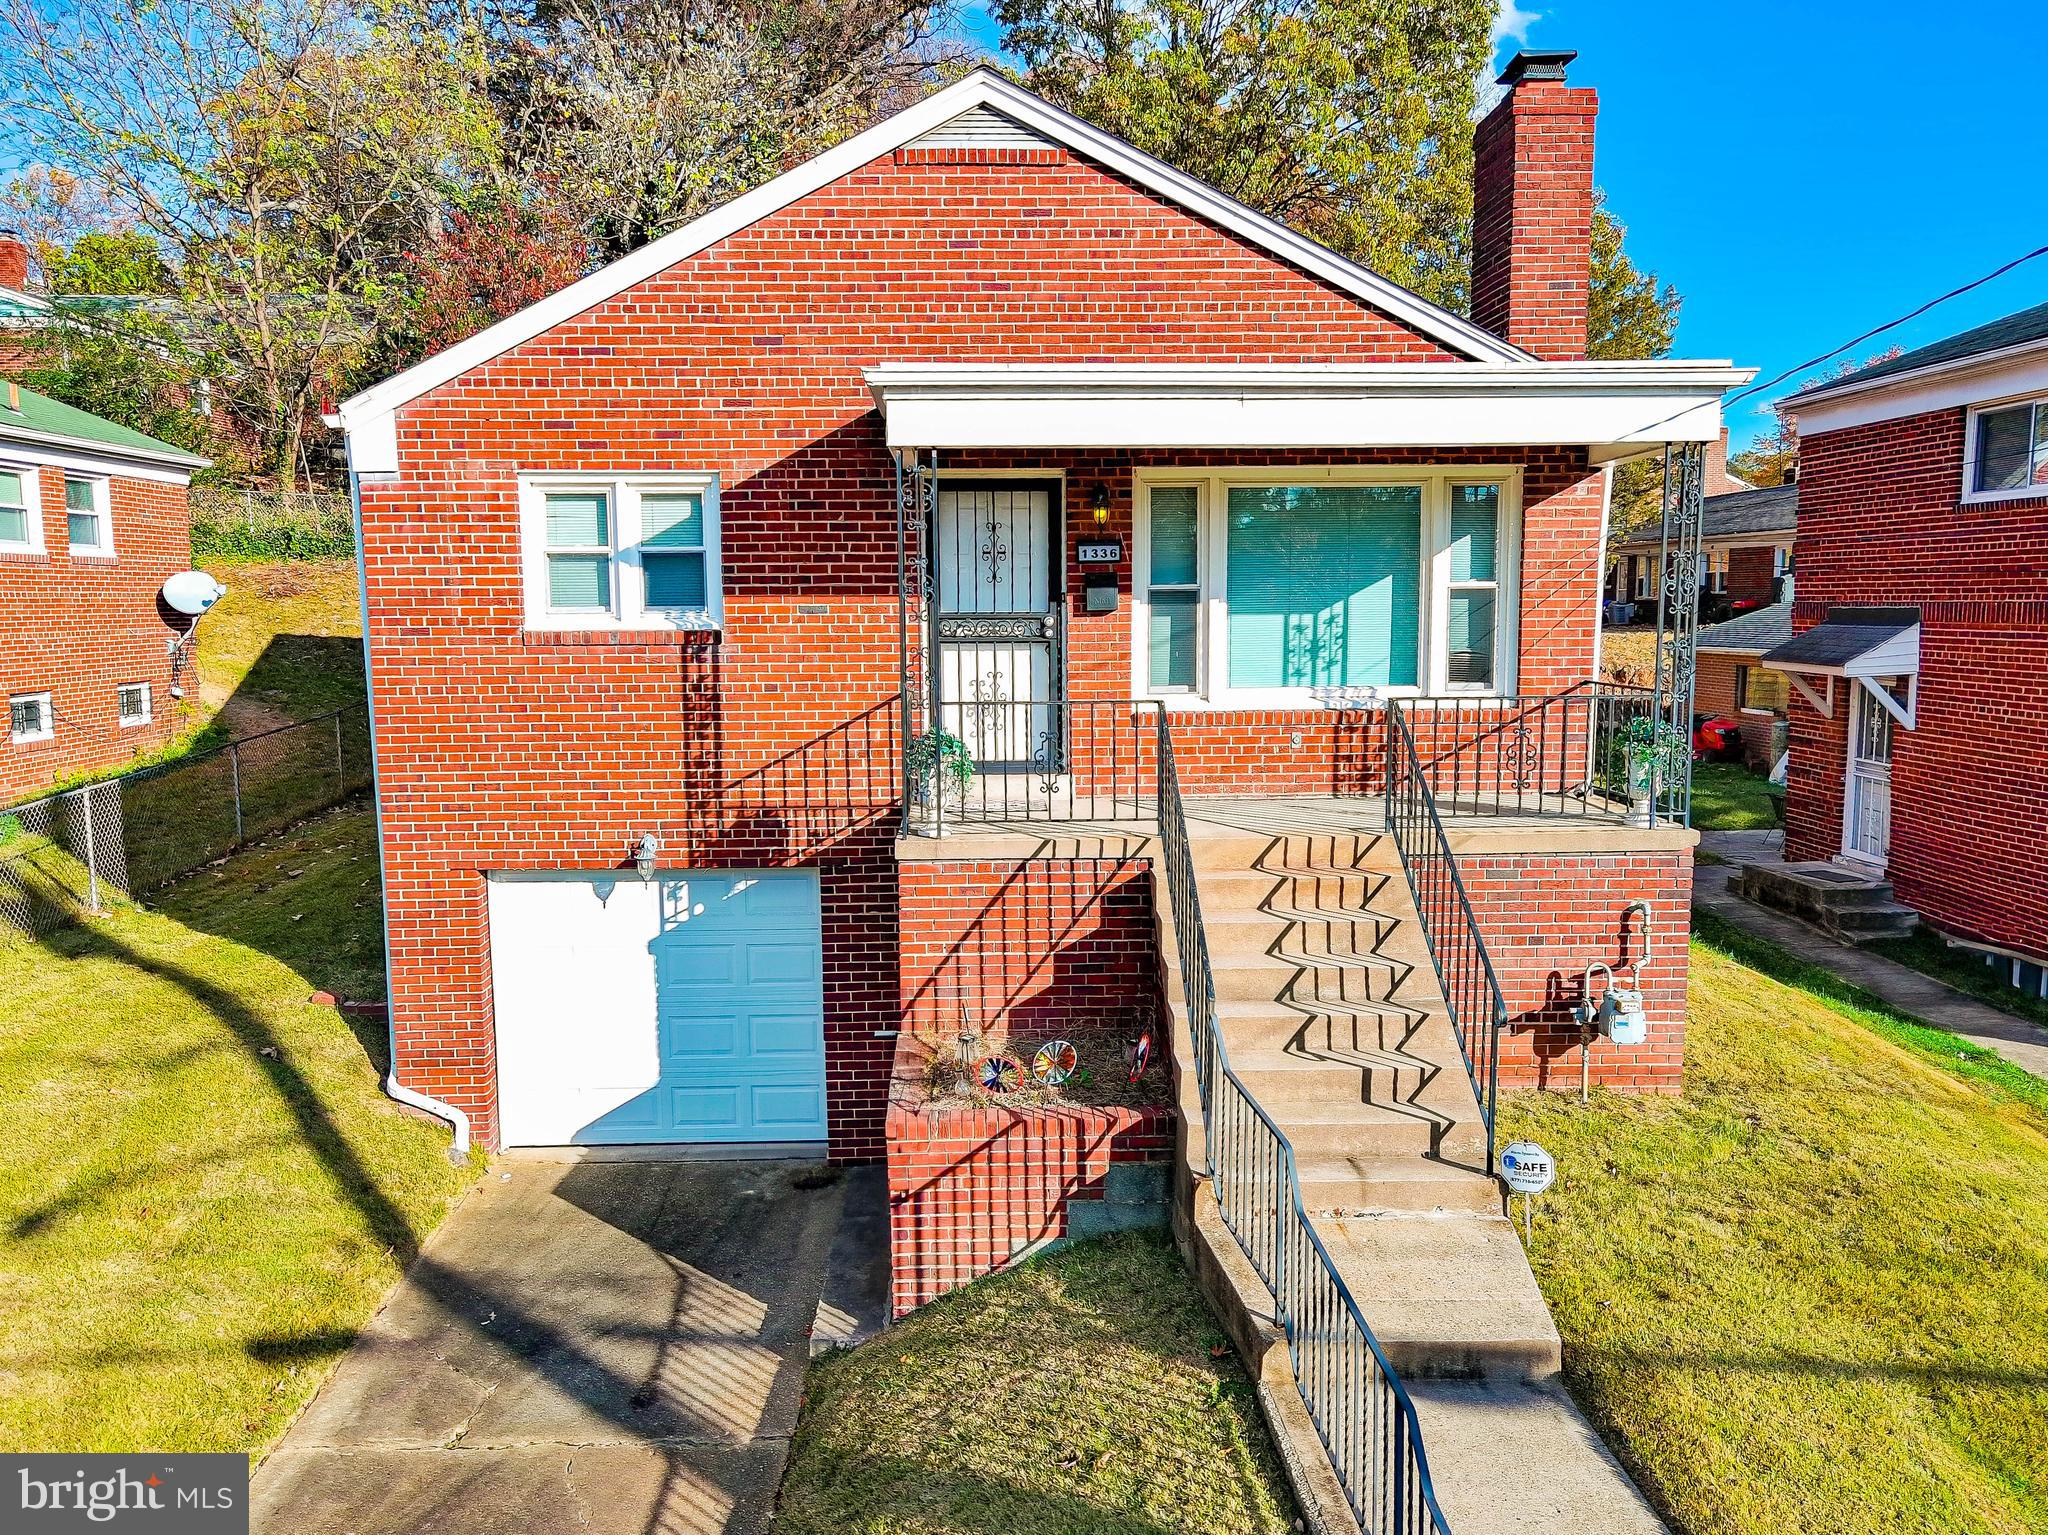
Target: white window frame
{"points": [[1717, 556], [628, 610], [49, 730], [1973, 496], [103, 513], [32, 497], [130, 721], [1212, 690]]}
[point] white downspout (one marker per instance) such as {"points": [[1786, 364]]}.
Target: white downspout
{"points": [[397, 1091]]}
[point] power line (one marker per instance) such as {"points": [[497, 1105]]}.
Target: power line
{"points": [[1814, 362]]}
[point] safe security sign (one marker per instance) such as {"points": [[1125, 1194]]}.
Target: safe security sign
{"points": [[136, 1494]]}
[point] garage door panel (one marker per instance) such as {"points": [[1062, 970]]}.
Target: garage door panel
{"points": [[683, 1009]]}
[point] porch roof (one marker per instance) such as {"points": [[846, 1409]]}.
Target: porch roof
{"points": [[1854, 642], [1615, 409]]}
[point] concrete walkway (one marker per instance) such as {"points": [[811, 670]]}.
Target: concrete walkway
{"points": [[2023, 1043], [589, 1346]]}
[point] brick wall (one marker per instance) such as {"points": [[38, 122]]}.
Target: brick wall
{"points": [[1544, 918], [1752, 568], [974, 1188], [1029, 948], [79, 626], [1881, 521]]}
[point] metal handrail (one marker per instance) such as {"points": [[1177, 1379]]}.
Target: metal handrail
{"points": [[1457, 949], [1362, 1412]]}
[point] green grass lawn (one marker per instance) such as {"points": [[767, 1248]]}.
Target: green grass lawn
{"points": [[1812, 1294], [204, 1192], [1084, 1393], [1963, 969], [285, 643], [1726, 796]]}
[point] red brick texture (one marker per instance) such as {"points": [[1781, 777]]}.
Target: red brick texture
{"points": [[1028, 949], [1545, 917], [1881, 521], [974, 1188], [1532, 217], [773, 742], [78, 626], [1752, 569]]}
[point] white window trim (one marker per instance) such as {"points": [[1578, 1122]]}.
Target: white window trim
{"points": [[32, 496], [1433, 618], [131, 721], [49, 730], [103, 513], [628, 610], [1971, 495]]}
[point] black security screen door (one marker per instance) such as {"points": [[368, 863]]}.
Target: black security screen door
{"points": [[999, 621]]}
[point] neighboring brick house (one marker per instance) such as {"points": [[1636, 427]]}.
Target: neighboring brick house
{"points": [[1731, 681], [1920, 708], [92, 522], [1746, 543], [647, 574]]}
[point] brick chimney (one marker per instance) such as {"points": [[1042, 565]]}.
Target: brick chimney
{"points": [[13, 260], [1532, 209]]}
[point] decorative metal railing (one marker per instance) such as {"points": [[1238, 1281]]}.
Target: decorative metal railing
{"points": [[1361, 1411], [1032, 760], [1553, 754], [1472, 993]]}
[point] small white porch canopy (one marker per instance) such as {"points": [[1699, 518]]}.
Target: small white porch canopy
{"points": [[1862, 646], [1616, 410]]}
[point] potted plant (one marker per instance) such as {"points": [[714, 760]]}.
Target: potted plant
{"points": [[938, 760], [1655, 751]]}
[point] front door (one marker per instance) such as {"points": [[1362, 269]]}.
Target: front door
{"points": [[1867, 832], [997, 572]]}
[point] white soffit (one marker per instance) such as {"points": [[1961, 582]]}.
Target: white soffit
{"points": [[1617, 409], [1976, 380], [939, 111]]}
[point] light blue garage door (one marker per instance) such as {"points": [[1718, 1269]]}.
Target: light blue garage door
{"points": [[740, 1014]]}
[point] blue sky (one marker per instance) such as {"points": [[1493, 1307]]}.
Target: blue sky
{"points": [[1806, 171]]}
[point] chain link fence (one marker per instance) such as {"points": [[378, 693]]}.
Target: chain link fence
{"points": [[67, 854], [248, 523]]}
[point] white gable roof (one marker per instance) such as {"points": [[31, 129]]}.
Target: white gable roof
{"points": [[976, 98]]}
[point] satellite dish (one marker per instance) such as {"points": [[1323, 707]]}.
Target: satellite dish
{"points": [[193, 592]]}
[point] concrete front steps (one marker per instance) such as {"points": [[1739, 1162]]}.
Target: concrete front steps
{"points": [[1856, 908], [1333, 1019]]}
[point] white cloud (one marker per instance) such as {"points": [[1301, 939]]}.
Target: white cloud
{"points": [[1511, 23]]}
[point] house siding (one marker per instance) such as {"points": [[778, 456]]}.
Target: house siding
{"points": [[773, 743], [1882, 522], [80, 626]]}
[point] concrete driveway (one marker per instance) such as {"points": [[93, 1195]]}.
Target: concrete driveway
{"points": [[587, 1346]]}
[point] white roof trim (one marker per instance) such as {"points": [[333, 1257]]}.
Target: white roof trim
{"points": [[12, 434], [1972, 380], [1614, 407], [981, 88]]}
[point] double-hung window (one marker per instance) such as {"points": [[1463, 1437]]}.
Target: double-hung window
{"points": [[85, 515], [621, 551], [1717, 568], [21, 519], [2008, 451], [1279, 587]]}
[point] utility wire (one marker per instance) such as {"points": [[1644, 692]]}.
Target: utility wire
{"points": [[1814, 362]]}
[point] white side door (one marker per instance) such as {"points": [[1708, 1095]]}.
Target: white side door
{"points": [[1867, 806]]}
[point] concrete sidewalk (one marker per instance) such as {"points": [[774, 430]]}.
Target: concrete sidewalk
{"points": [[588, 1346], [2023, 1043]]}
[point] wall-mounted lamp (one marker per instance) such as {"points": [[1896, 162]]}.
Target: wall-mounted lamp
{"points": [[1098, 501], [645, 852]]}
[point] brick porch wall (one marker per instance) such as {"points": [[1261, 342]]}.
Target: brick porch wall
{"points": [[1028, 948], [1544, 917], [972, 1189]]}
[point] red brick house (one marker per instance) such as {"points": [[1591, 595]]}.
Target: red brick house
{"points": [[1921, 622], [93, 520], [1746, 545], [986, 426]]}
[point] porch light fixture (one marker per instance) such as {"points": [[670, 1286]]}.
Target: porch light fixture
{"points": [[644, 854], [1098, 500]]}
